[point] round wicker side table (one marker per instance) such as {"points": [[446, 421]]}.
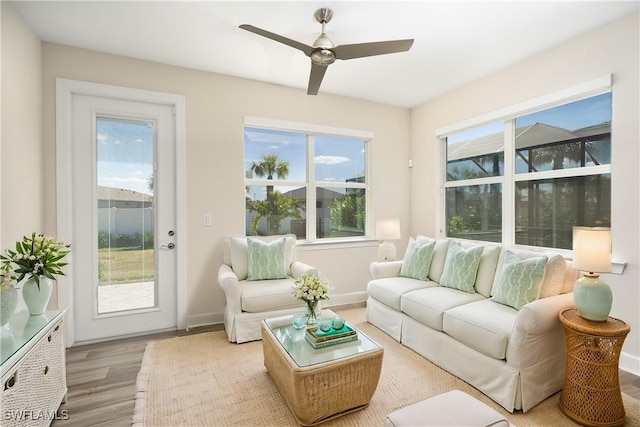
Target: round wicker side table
{"points": [[591, 391]]}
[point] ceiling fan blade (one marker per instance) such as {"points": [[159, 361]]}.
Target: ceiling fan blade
{"points": [[317, 74], [351, 51], [284, 40]]}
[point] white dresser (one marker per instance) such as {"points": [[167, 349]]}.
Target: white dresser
{"points": [[34, 379]]}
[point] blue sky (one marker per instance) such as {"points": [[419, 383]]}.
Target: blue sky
{"points": [[336, 159], [125, 154], [571, 116]]}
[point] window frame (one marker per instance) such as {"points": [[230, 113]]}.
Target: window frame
{"points": [[509, 179], [311, 185]]}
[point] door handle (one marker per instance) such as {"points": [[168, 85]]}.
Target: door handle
{"points": [[169, 246]]}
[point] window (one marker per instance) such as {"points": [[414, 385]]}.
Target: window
{"points": [[305, 180], [557, 175]]}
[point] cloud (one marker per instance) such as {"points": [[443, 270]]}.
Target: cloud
{"points": [[330, 160]]}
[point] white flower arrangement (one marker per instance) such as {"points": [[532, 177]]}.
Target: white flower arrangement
{"points": [[309, 287], [35, 256]]}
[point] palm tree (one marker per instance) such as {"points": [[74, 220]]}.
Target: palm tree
{"points": [[276, 207], [269, 166]]}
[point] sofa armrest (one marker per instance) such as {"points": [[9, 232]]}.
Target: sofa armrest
{"points": [[381, 270], [230, 285], [299, 268], [537, 332], [542, 314]]}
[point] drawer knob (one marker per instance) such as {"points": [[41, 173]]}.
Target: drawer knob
{"points": [[10, 382]]}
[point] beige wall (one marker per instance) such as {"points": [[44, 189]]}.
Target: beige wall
{"points": [[612, 49], [215, 107], [21, 164]]}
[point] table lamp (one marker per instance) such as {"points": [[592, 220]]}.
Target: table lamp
{"points": [[592, 254], [387, 229]]}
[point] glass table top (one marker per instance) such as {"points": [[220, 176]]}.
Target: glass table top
{"points": [[21, 328], [303, 354]]}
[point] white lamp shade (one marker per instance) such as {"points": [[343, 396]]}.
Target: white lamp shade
{"points": [[388, 229], [592, 249]]}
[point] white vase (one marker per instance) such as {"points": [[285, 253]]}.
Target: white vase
{"points": [[36, 298], [8, 302]]}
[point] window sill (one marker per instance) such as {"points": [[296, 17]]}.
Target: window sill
{"points": [[336, 244]]}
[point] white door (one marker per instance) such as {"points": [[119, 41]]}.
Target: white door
{"points": [[123, 201]]}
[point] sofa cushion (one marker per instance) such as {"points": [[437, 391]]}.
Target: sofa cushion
{"points": [[461, 267], [554, 273], [482, 325], [389, 290], [417, 260], [439, 256], [520, 280], [570, 277], [427, 306], [266, 295], [265, 259], [238, 253], [487, 267]]}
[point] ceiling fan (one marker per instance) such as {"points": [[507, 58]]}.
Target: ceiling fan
{"points": [[324, 53]]}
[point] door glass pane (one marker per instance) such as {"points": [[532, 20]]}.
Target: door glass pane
{"points": [[125, 177]]}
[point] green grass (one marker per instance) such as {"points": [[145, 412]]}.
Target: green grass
{"points": [[124, 265]]}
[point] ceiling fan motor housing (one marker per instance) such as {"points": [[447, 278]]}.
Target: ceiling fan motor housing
{"points": [[323, 57]]}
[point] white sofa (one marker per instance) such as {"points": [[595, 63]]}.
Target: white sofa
{"points": [[515, 356], [250, 301]]}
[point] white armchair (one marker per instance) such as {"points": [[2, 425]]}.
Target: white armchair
{"points": [[251, 294]]}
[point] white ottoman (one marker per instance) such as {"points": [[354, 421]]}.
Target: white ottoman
{"points": [[454, 408]]}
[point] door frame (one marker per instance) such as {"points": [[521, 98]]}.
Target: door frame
{"points": [[65, 89]]}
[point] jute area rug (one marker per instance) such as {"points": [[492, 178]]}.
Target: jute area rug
{"points": [[203, 380]]}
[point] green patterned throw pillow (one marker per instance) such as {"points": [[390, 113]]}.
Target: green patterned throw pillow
{"points": [[266, 260], [461, 267], [520, 280], [417, 260]]}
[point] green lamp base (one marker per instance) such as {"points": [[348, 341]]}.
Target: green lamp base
{"points": [[593, 298]]}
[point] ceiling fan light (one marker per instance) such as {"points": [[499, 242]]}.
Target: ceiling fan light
{"points": [[323, 57]]}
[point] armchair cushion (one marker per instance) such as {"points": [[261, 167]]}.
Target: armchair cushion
{"points": [[266, 259], [268, 295], [239, 253]]}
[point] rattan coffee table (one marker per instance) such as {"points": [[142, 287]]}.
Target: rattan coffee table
{"points": [[320, 384]]}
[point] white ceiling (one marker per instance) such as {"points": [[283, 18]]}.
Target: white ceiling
{"points": [[456, 42]]}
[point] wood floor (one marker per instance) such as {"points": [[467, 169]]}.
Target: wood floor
{"points": [[101, 380]]}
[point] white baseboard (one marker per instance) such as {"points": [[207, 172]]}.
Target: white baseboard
{"points": [[345, 299], [206, 319], [630, 363]]}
